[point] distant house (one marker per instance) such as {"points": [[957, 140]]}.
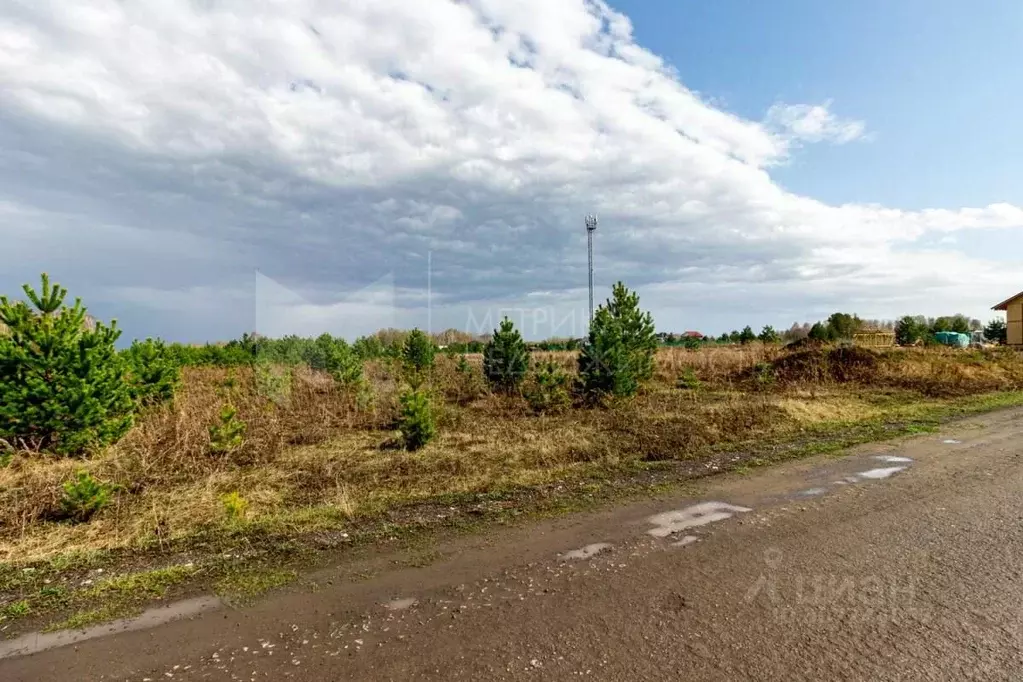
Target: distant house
{"points": [[1013, 308]]}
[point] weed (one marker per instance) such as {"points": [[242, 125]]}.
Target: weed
{"points": [[16, 609], [235, 506]]}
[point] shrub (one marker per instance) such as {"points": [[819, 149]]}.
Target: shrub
{"points": [[548, 389], [83, 496], [468, 384], [417, 357], [235, 506], [62, 387], [416, 420], [619, 351], [505, 358], [273, 382], [746, 336], [153, 374], [688, 381], [768, 335], [691, 343], [228, 433], [763, 374]]}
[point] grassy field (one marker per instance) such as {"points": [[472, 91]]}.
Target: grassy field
{"points": [[320, 467]]}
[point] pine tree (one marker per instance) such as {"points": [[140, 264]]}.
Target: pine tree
{"points": [[747, 336], [619, 352], [153, 374], [416, 420], [505, 358], [417, 357], [768, 335], [62, 387]]}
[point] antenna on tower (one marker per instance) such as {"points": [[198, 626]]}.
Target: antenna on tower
{"points": [[591, 227]]}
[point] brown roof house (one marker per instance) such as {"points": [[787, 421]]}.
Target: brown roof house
{"points": [[1013, 308]]}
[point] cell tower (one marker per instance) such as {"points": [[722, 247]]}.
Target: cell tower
{"points": [[591, 227]]}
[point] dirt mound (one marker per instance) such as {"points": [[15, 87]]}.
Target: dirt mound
{"points": [[804, 343], [826, 364]]}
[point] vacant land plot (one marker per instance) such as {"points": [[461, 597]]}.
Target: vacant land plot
{"points": [[319, 466]]}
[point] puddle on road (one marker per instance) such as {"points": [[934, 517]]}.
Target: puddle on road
{"points": [[811, 492], [951, 441], [587, 552], [669, 523], [878, 474], [401, 604], [893, 459], [35, 642], [686, 540]]}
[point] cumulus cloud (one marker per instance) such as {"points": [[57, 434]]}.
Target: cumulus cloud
{"points": [[157, 154]]}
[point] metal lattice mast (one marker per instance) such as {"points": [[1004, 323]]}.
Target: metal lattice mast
{"points": [[591, 227]]}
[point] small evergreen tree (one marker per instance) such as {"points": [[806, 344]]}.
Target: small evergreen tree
{"points": [[228, 433], [342, 363], [153, 374], [619, 352], [768, 335], [505, 358], [746, 336], [996, 331], [83, 496], [62, 387], [547, 391], [909, 330], [819, 332], [416, 420], [417, 357]]}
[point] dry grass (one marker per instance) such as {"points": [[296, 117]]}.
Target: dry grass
{"points": [[318, 457]]}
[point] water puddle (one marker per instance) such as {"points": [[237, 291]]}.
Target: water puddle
{"points": [[587, 552], [892, 459], [669, 523], [401, 604], [686, 540], [811, 492], [878, 474], [35, 642], [951, 441]]}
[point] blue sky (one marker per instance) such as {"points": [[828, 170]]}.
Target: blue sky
{"points": [[195, 173], [938, 82]]}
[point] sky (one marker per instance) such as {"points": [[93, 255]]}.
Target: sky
{"points": [[201, 169]]}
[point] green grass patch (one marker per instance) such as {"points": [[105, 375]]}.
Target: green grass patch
{"points": [[134, 586], [246, 586], [88, 617]]}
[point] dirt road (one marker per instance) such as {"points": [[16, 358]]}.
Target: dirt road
{"points": [[898, 561]]}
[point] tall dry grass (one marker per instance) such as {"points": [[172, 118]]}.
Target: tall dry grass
{"points": [[320, 454]]}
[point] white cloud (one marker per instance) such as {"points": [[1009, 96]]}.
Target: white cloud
{"points": [[329, 144], [813, 123]]}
